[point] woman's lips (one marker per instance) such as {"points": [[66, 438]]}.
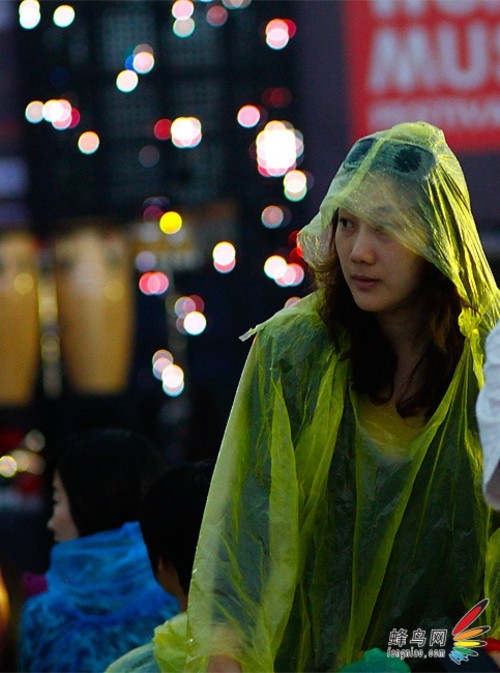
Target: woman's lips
{"points": [[364, 282]]}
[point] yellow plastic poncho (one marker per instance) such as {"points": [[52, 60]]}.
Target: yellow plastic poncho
{"points": [[316, 543]]}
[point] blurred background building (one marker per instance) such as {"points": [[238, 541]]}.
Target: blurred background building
{"points": [[156, 161]]}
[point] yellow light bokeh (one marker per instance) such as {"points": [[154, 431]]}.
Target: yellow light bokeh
{"points": [[170, 222]]}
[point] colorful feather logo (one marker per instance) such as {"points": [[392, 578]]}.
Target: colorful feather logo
{"points": [[465, 639]]}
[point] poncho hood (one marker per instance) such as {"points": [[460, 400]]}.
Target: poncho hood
{"points": [[407, 181]]}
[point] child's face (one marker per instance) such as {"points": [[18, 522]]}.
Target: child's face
{"points": [[61, 522]]}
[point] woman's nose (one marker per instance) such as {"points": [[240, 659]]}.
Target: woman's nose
{"points": [[363, 249]]}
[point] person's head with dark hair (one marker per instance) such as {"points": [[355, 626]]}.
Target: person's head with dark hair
{"points": [[170, 520], [99, 481]]}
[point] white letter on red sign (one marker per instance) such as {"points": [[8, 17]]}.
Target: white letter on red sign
{"points": [[402, 61]]}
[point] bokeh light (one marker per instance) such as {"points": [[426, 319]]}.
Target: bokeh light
{"points": [[195, 323], [275, 266], [127, 81], [88, 142], [34, 111], [29, 14], [293, 276], [278, 147], [279, 32], [186, 132], [183, 306], [161, 129], [145, 261], [170, 222], [143, 62], [160, 360], [276, 97], [34, 440], [217, 16], [63, 16], [8, 466], [23, 283], [182, 9], [272, 217], [149, 156], [291, 301], [198, 302], [57, 110], [236, 4], [224, 257], [153, 283], [75, 118], [183, 27], [173, 380], [248, 116], [295, 185]]}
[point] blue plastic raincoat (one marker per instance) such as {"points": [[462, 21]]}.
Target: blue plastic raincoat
{"points": [[102, 600]]}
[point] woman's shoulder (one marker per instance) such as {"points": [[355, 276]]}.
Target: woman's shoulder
{"points": [[295, 327]]}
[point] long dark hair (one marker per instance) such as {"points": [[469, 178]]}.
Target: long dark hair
{"points": [[373, 362]]}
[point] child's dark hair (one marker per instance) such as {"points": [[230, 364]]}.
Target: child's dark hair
{"points": [[171, 516], [105, 473]]}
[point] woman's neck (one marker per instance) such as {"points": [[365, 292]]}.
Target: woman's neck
{"points": [[409, 339]]}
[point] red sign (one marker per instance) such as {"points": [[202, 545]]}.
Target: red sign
{"points": [[425, 60]]}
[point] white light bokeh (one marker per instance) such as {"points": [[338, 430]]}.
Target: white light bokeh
{"points": [[88, 142], [186, 132], [173, 380], [295, 185], [29, 14], [224, 253], [195, 323], [143, 62], [63, 16], [293, 276], [278, 147], [277, 35], [275, 266], [127, 80]]}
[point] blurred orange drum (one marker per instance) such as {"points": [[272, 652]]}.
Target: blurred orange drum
{"points": [[95, 296], [19, 333]]}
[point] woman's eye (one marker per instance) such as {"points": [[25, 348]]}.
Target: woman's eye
{"points": [[345, 222]]}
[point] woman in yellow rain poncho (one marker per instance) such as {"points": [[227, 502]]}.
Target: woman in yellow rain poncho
{"points": [[346, 502]]}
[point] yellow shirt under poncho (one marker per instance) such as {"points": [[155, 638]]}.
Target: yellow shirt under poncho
{"points": [[316, 541]]}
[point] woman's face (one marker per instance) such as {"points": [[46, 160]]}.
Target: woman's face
{"points": [[383, 276], [61, 522]]}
